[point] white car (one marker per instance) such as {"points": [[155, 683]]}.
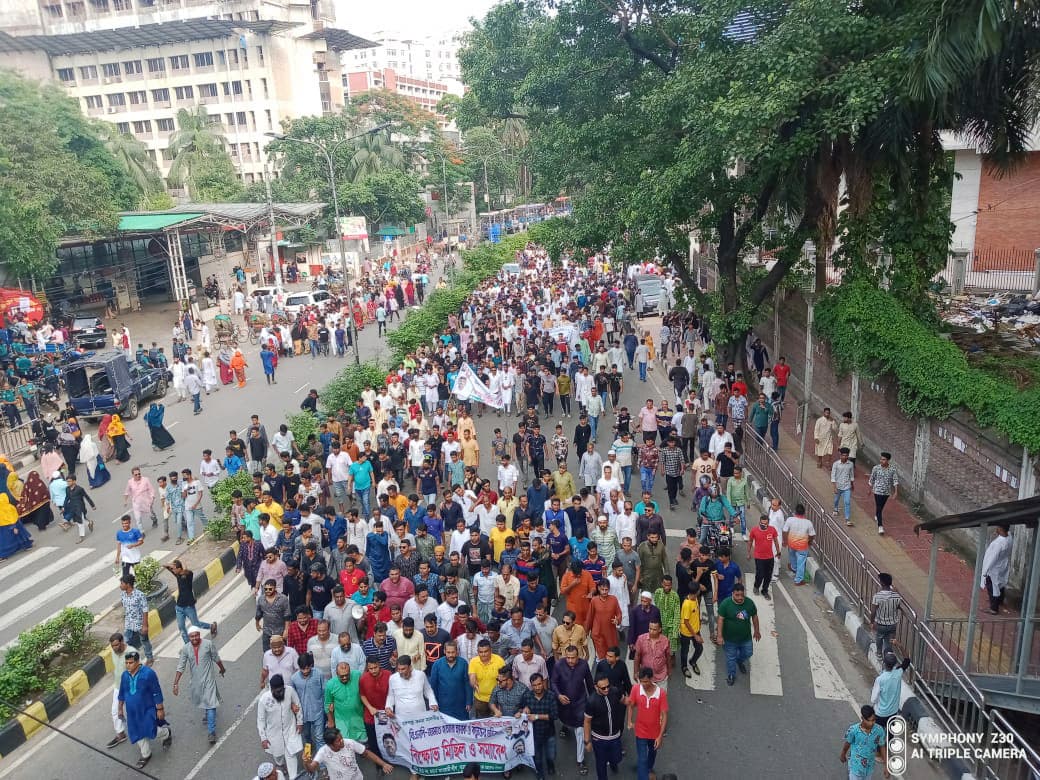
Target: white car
{"points": [[297, 302]]}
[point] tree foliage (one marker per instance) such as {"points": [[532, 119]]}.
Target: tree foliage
{"points": [[751, 125], [200, 158], [56, 176]]}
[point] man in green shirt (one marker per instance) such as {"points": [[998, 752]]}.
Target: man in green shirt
{"points": [[737, 624], [738, 493], [667, 602], [759, 415], [343, 703]]}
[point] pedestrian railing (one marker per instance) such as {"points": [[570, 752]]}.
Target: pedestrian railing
{"points": [[15, 441], [995, 647], [937, 676]]}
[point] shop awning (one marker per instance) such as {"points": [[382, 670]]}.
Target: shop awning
{"points": [[149, 223]]}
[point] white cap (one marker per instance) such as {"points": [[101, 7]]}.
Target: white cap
{"points": [[194, 630], [646, 595], [55, 475]]}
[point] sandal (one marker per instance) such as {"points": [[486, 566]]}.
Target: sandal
{"points": [[143, 762]]}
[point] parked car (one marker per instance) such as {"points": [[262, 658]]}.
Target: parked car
{"points": [[88, 331], [108, 383], [297, 302], [652, 288]]}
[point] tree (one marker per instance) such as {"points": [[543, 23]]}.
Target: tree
{"points": [[200, 158], [491, 166], [386, 197], [56, 176], [134, 157]]}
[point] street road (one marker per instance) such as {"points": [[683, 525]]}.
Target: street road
{"points": [[806, 684]]}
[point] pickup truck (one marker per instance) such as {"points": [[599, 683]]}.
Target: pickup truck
{"points": [[108, 383]]}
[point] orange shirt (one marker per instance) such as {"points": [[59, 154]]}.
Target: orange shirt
{"points": [[578, 597]]}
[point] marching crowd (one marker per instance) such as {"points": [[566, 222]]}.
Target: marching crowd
{"points": [[401, 565]]}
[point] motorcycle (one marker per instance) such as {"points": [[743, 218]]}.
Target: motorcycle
{"points": [[47, 397], [719, 536]]}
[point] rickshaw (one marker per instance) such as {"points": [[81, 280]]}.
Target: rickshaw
{"points": [[227, 333]]}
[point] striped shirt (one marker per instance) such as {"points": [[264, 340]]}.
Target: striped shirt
{"points": [[887, 603]]}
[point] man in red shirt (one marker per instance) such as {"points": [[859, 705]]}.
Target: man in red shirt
{"points": [[653, 651], [764, 547], [298, 632], [373, 687], [648, 714], [350, 577], [782, 372]]}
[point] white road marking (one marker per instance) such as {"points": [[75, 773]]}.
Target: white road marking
{"points": [[765, 663], [44, 573], [22, 561], [301, 387], [218, 609], [827, 684], [55, 591], [247, 638], [223, 738], [706, 680], [175, 422]]}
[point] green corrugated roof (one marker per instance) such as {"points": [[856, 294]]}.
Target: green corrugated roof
{"points": [[142, 223]]}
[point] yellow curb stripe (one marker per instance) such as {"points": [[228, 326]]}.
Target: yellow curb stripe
{"points": [[214, 572], [76, 686], [30, 726]]}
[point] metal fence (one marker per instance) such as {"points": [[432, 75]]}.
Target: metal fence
{"points": [[15, 441], [986, 270], [937, 676], [995, 645]]}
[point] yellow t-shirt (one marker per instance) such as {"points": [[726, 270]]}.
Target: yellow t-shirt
{"points": [[275, 511], [498, 541], [486, 674], [691, 611]]}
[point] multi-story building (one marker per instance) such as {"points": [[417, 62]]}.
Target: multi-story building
{"points": [[426, 93], [249, 70], [433, 58]]}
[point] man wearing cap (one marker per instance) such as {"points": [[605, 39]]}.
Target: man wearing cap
{"points": [[268, 771], [201, 658], [279, 721]]}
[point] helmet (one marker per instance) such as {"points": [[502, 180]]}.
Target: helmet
{"points": [[714, 491], [705, 480]]}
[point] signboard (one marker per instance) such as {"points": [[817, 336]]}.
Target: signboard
{"points": [[353, 227], [432, 744]]}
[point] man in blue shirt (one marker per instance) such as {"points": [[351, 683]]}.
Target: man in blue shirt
{"points": [[864, 744], [449, 678], [533, 596], [727, 574], [377, 550]]}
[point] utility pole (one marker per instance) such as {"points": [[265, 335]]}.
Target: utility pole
{"points": [[274, 233], [444, 173]]}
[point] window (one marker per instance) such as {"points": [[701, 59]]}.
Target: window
{"points": [[156, 65], [233, 150], [184, 93], [123, 128], [232, 88], [260, 54], [240, 118], [132, 67], [67, 75], [207, 90], [167, 154], [232, 56], [161, 95], [117, 99], [391, 52], [229, 120], [94, 101], [122, 5], [270, 124], [143, 126], [100, 5], [138, 98], [111, 70], [263, 83], [76, 10], [222, 57], [250, 178], [54, 11], [87, 72], [179, 62], [203, 59], [164, 125]]}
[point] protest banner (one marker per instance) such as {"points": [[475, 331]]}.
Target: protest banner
{"points": [[469, 387], [433, 744]]}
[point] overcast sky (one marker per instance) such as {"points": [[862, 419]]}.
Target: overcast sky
{"points": [[409, 17]]}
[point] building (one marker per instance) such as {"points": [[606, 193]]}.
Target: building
{"points": [[996, 236], [426, 93], [249, 68], [433, 58]]}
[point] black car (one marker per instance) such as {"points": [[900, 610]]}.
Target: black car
{"points": [[88, 331]]}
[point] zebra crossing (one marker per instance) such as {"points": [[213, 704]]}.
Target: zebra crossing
{"points": [[39, 584]]}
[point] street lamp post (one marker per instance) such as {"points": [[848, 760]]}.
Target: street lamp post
{"points": [[335, 207]]}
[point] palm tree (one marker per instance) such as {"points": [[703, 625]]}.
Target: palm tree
{"points": [[367, 155], [134, 157], [197, 137]]}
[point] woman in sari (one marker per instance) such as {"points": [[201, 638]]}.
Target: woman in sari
{"points": [[238, 365], [13, 535], [161, 438], [358, 314], [224, 364], [90, 457], [120, 438], [649, 345], [35, 504], [104, 444]]}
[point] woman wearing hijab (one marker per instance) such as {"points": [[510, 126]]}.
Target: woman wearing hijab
{"points": [[161, 438], [90, 457], [35, 504], [238, 365], [51, 460], [13, 536], [224, 364], [120, 438], [105, 445]]}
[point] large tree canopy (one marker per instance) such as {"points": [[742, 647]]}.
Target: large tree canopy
{"points": [[56, 176], [750, 124]]}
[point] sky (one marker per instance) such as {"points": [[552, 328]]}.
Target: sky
{"points": [[409, 17]]}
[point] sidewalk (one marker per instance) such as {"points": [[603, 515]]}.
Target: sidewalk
{"points": [[900, 551]]}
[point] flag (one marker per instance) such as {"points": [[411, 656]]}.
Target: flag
{"points": [[469, 387]]}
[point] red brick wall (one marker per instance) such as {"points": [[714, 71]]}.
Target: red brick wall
{"points": [[1008, 208], [967, 467]]}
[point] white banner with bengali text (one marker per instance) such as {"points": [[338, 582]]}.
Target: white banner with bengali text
{"points": [[433, 744]]}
